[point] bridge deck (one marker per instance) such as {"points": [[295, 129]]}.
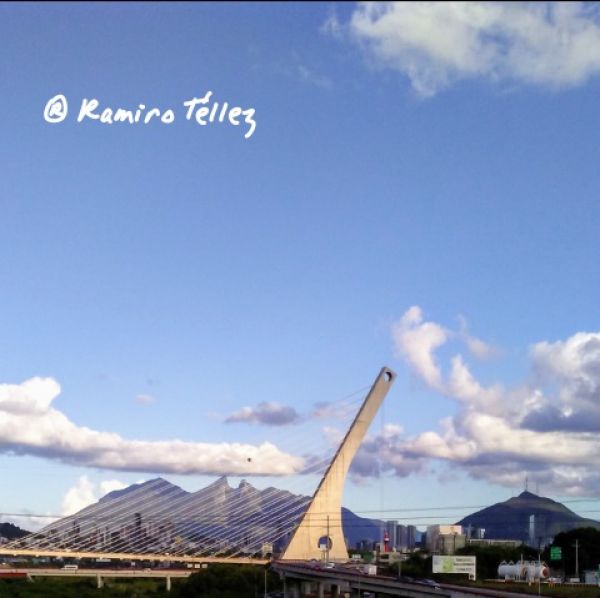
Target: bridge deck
{"points": [[120, 573], [127, 556]]}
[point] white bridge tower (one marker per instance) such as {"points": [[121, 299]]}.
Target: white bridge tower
{"points": [[321, 525]]}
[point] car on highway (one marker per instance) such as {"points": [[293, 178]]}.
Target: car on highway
{"points": [[428, 582]]}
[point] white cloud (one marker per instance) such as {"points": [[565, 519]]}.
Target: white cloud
{"points": [[85, 493], [555, 44], [384, 452], [464, 387], [569, 372], [574, 365], [416, 341], [79, 496], [478, 348], [310, 76], [110, 486], [32, 397], [145, 399], [332, 25], [270, 414], [546, 426], [30, 425]]}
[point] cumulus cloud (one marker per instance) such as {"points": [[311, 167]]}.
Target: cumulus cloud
{"points": [[384, 453], [478, 348], [85, 493], [434, 44], [108, 486], [546, 426], [30, 425], [573, 365], [79, 496], [416, 341], [269, 414], [569, 371], [33, 397]]}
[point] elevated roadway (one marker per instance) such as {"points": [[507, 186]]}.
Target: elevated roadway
{"points": [[128, 556], [99, 574], [303, 579]]}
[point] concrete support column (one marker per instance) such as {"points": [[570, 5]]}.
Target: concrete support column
{"points": [[99, 582], [321, 590], [168, 583], [305, 588]]}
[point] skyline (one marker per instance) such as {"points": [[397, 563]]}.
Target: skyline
{"points": [[419, 191]]}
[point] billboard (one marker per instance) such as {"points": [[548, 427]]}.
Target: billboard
{"points": [[454, 564]]}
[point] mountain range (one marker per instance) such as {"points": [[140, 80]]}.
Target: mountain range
{"points": [[158, 516]]}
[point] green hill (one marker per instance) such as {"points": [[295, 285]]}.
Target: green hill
{"points": [[512, 519]]}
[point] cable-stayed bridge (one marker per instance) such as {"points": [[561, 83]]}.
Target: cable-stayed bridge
{"points": [[158, 521]]}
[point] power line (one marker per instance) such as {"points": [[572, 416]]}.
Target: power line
{"points": [[446, 509]]}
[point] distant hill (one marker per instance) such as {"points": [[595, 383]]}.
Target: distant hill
{"points": [[511, 519], [11, 532], [359, 528]]}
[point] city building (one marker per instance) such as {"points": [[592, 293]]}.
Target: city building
{"points": [[445, 539]]}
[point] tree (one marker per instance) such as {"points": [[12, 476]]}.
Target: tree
{"points": [[417, 565], [228, 581], [588, 546], [11, 532]]}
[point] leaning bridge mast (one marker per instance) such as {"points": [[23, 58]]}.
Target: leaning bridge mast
{"points": [[323, 517]]}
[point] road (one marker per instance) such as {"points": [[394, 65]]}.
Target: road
{"points": [[128, 556], [129, 573], [101, 574], [350, 579]]}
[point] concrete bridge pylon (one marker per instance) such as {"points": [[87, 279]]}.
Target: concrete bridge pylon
{"points": [[320, 529]]}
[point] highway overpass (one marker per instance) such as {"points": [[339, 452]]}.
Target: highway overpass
{"points": [[99, 574], [344, 581]]}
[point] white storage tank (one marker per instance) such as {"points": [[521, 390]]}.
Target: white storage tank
{"points": [[512, 570], [537, 570]]}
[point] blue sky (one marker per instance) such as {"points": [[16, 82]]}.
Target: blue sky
{"points": [[167, 276]]}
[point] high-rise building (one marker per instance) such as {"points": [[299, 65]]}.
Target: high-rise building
{"points": [[402, 537], [411, 537], [391, 527], [444, 539]]}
